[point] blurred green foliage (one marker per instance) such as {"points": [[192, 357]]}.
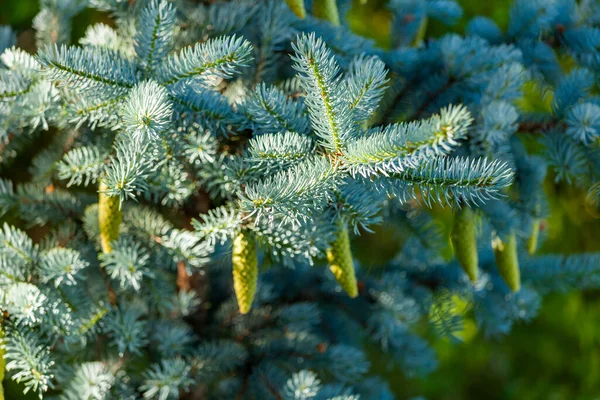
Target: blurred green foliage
{"points": [[18, 14], [555, 357]]}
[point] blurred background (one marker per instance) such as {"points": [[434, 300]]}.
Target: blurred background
{"points": [[554, 357]]}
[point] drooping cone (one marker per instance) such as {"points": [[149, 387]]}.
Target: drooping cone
{"points": [[532, 242], [418, 40], [340, 261], [327, 10], [109, 218], [2, 362], [245, 269], [297, 7], [464, 242], [507, 261]]}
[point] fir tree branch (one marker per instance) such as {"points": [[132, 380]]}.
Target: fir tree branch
{"points": [[218, 57]]}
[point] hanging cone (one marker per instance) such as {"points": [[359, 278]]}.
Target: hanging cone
{"points": [[465, 242], [245, 269], [418, 40], [507, 261], [2, 362], [297, 7], [532, 242], [327, 10], [341, 263], [109, 218]]}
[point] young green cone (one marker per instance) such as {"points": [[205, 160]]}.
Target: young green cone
{"points": [[109, 218], [465, 243], [507, 261], [2, 362], [327, 10], [418, 40], [245, 269], [297, 7], [341, 263], [532, 242]]}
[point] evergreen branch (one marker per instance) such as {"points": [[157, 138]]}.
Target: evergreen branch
{"points": [[25, 303], [366, 84], [565, 157], [201, 147], [166, 379], [208, 108], [7, 196], [60, 266], [272, 111], [89, 69], [13, 86], [16, 245], [91, 379], [583, 123], [146, 224], [395, 147], [278, 151], [185, 246], [17, 60], [295, 244], [126, 329], [93, 321], [215, 358], [219, 225], [99, 112], [127, 263], [358, 205], [82, 165], [29, 358], [303, 382], [571, 89], [561, 273], [155, 32], [148, 110], [320, 77], [218, 57], [449, 180], [292, 193], [101, 35], [40, 204], [128, 170]]}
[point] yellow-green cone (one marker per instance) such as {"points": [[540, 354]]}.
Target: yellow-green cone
{"points": [[109, 218], [245, 269], [532, 242], [465, 243], [2, 362], [507, 261], [340, 261], [327, 10], [418, 40], [297, 7]]}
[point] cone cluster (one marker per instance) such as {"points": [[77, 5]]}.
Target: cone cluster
{"points": [[464, 241]]}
